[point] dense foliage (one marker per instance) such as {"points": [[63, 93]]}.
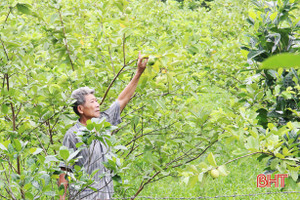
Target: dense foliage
{"points": [[50, 48]]}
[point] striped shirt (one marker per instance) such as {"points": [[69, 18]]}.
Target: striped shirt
{"points": [[92, 158]]}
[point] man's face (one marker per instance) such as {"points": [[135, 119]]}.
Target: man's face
{"points": [[90, 108]]}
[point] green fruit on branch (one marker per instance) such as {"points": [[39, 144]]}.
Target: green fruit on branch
{"points": [[151, 60], [128, 10], [214, 173], [123, 17]]}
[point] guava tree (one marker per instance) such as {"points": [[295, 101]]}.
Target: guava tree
{"points": [[50, 48]]}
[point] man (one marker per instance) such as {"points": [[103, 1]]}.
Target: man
{"points": [[87, 107]]}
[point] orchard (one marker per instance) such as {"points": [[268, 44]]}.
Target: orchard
{"points": [[222, 85]]}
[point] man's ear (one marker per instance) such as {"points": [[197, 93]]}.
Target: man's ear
{"points": [[80, 109]]}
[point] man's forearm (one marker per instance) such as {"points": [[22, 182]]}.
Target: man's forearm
{"points": [[63, 181], [129, 90]]}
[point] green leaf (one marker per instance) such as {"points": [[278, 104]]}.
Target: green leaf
{"points": [[3, 147], [252, 143], [79, 144], [64, 153], [211, 159], [284, 60], [24, 8], [92, 188], [117, 178], [273, 16], [51, 158], [120, 147], [28, 195], [222, 170], [90, 126], [193, 180], [18, 145], [94, 172], [73, 155], [50, 193], [203, 166], [252, 15], [37, 151], [193, 168], [200, 176], [294, 175], [4, 108]]}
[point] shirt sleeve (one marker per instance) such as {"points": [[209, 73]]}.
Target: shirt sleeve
{"points": [[112, 114]]}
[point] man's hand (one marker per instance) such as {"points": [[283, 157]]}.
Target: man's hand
{"points": [[142, 63], [64, 182]]}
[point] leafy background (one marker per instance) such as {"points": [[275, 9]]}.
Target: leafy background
{"points": [[202, 101]]}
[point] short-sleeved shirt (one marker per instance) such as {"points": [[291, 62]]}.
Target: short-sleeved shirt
{"points": [[93, 157]]}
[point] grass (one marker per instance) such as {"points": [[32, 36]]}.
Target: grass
{"points": [[241, 180]]}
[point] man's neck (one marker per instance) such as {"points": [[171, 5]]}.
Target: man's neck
{"points": [[83, 120]]}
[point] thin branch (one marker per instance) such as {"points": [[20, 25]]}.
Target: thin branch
{"points": [[128, 70], [41, 123], [111, 83], [20, 122], [163, 177], [133, 145], [3, 84], [65, 39], [149, 133], [3, 196], [19, 110], [41, 143], [13, 74], [111, 60], [250, 154], [8, 185], [7, 118], [124, 55], [10, 164], [133, 111], [200, 154], [10, 9], [5, 51], [143, 185], [187, 153], [167, 166], [117, 130], [54, 124], [133, 148]]}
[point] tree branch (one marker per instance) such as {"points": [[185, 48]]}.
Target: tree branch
{"points": [[5, 51], [65, 39], [124, 55], [19, 110], [143, 185], [8, 185], [3, 196], [111, 83], [133, 111], [41, 123], [200, 154], [136, 138], [250, 154], [167, 166], [10, 8], [111, 60]]}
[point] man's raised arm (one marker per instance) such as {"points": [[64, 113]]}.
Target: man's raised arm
{"points": [[128, 92]]}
